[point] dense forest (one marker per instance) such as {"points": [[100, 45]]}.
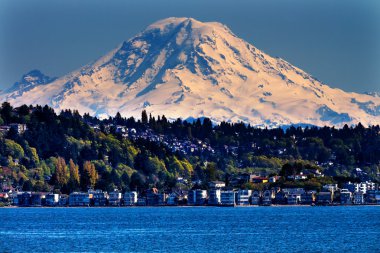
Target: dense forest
{"points": [[67, 152]]}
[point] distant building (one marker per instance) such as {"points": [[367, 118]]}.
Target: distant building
{"points": [[308, 198], [172, 200], [243, 197], [79, 199], [161, 199], [151, 197], [373, 197], [325, 198], [256, 197], [115, 198], [214, 197], [24, 199], [51, 199], [358, 198], [216, 184], [345, 197], [141, 201], [330, 187], [63, 200], [130, 198], [197, 197], [19, 128], [37, 199], [268, 197], [294, 198], [99, 198], [227, 198]]}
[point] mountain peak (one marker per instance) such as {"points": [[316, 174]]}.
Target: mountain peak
{"points": [[185, 68], [28, 81], [184, 21]]}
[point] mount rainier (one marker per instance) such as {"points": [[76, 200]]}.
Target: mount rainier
{"points": [[181, 67]]}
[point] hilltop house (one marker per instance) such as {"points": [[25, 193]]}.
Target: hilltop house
{"points": [[216, 184]]}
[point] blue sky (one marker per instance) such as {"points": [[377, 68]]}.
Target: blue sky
{"points": [[336, 41]]}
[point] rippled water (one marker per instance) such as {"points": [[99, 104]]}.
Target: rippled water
{"points": [[191, 229]]}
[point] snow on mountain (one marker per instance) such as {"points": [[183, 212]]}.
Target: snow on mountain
{"points": [[184, 68], [28, 81]]}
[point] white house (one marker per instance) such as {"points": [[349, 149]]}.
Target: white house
{"points": [[243, 197]]}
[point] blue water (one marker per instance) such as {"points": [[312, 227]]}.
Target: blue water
{"points": [[191, 229]]}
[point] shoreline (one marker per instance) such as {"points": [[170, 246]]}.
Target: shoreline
{"points": [[184, 206]]}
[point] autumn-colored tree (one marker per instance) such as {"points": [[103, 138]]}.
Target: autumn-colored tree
{"points": [[90, 175], [74, 176], [60, 174]]}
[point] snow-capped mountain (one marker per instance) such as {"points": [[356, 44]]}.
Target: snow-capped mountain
{"points": [[28, 81], [184, 68]]}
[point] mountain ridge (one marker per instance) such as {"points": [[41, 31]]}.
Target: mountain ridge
{"points": [[184, 68]]}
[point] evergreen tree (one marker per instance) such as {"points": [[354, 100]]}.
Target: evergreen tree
{"points": [[144, 117]]}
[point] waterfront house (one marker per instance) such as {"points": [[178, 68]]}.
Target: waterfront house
{"points": [[373, 197], [141, 201], [63, 200], [216, 184], [24, 199], [37, 199], [154, 198], [4, 197], [161, 199], [227, 198], [115, 198], [256, 197], [325, 198], [268, 196], [281, 197], [358, 198], [365, 186], [200, 197], [99, 198], [308, 198], [130, 198], [345, 197], [51, 199], [79, 199], [243, 197], [294, 198], [172, 200], [214, 197], [197, 197]]}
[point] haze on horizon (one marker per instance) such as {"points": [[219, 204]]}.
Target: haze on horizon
{"points": [[336, 41]]}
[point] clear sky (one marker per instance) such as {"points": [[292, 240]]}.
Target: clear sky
{"points": [[337, 41]]}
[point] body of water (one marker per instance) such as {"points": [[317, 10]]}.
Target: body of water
{"points": [[191, 229]]}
